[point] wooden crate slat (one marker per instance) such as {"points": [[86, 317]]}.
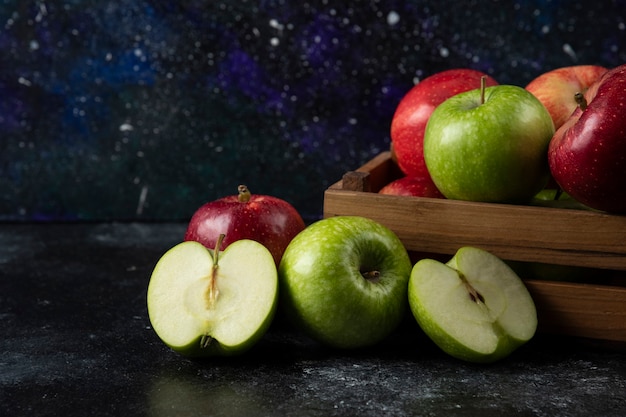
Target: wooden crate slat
{"points": [[595, 312]]}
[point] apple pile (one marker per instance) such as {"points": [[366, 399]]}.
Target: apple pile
{"points": [[345, 281], [348, 281], [473, 139]]}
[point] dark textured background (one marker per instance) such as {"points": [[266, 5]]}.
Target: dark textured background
{"points": [[147, 109]]}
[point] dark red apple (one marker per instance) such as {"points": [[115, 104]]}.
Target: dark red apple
{"points": [[271, 221], [587, 155], [412, 186], [414, 110]]}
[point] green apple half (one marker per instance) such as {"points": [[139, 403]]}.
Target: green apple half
{"points": [[208, 303], [343, 281], [474, 307]]}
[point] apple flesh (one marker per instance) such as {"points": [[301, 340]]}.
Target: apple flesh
{"points": [[414, 109], [343, 281], [587, 155], [210, 303], [555, 89], [412, 186], [475, 308], [268, 220], [489, 145]]}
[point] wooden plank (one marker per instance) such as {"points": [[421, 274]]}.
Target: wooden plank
{"points": [[381, 169], [590, 311], [534, 234], [356, 181]]}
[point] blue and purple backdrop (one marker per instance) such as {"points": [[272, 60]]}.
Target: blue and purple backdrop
{"points": [[145, 109]]}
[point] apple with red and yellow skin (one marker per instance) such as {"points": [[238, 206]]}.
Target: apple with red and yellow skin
{"points": [[587, 155], [412, 186], [412, 113], [556, 88], [269, 220]]}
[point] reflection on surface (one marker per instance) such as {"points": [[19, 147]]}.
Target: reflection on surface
{"points": [[184, 395]]}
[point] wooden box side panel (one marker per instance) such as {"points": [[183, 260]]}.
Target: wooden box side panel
{"points": [[582, 310], [521, 233]]}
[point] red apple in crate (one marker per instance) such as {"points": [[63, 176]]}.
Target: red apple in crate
{"points": [[414, 110], [555, 89], [271, 221], [587, 155], [412, 186]]}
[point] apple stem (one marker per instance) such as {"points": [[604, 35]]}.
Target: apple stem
{"points": [[581, 101], [205, 341], [558, 193], [213, 292], [371, 275], [483, 86], [244, 194]]}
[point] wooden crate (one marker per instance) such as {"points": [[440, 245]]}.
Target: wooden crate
{"points": [[594, 308]]}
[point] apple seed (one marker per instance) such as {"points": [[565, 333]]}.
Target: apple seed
{"points": [[474, 295]]}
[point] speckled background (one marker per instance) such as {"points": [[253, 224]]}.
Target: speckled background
{"points": [[147, 109]]}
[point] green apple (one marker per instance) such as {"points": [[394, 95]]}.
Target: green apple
{"points": [[205, 302], [556, 198], [474, 307], [343, 281], [489, 145]]}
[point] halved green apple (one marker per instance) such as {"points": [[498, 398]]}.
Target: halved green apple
{"points": [[205, 303], [474, 307]]}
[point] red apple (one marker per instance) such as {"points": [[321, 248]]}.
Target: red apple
{"points": [[587, 154], [268, 220], [412, 186], [414, 110], [555, 89]]}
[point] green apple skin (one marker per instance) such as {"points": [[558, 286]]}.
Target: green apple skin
{"points": [[323, 288], [478, 332], [491, 152], [188, 264], [546, 198]]}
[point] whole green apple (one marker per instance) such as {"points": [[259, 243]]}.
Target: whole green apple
{"points": [[412, 113], [490, 145], [343, 281]]}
